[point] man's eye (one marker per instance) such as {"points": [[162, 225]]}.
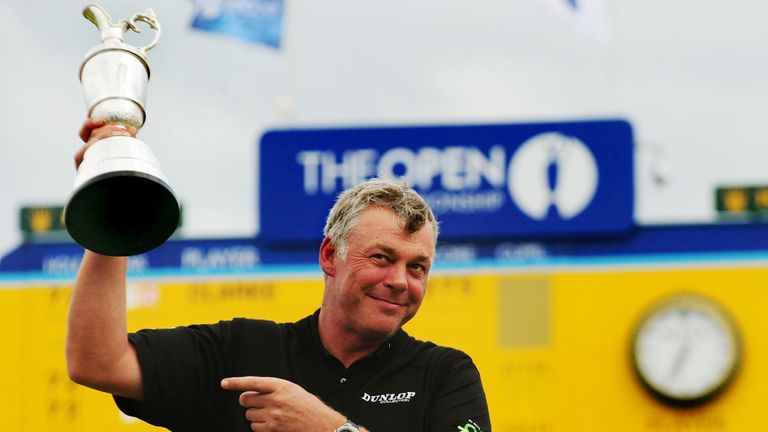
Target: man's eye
{"points": [[419, 267], [380, 257]]}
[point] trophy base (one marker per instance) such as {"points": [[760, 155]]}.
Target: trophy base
{"points": [[122, 213]]}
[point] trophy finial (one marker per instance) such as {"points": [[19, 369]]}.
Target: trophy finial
{"points": [[97, 15]]}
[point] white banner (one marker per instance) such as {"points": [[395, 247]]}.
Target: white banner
{"points": [[591, 17]]}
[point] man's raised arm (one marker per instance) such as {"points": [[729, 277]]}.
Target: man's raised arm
{"points": [[98, 352]]}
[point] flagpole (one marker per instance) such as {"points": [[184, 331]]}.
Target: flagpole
{"points": [[286, 102], [610, 40]]}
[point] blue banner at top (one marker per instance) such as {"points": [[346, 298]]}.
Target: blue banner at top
{"points": [[258, 21], [485, 181]]}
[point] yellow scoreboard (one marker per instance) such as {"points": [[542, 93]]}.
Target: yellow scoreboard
{"points": [[557, 345]]}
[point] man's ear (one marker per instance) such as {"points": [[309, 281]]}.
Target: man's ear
{"points": [[328, 257]]}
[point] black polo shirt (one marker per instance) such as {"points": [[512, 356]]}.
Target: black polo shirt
{"points": [[407, 385]]}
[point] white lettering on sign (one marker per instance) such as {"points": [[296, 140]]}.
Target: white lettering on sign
{"points": [[456, 253], [70, 263], [549, 170], [453, 168], [321, 169], [138, 263], [520, 251], [465, 202], [62, 263], [220, 258]]}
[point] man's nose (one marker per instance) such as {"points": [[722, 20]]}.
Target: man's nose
{"points": [[397, 277]]}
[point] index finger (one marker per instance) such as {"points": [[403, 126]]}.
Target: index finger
{"points": [[252, 383], [89, 125]]}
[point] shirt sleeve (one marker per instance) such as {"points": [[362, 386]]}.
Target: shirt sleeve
{"points": [[460, 403], [181, 370]]}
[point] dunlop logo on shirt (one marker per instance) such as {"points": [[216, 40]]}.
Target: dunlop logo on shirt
{"points": [[389, 398]]}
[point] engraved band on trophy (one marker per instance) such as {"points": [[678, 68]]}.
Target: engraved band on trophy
{"points": [[122, 203]]}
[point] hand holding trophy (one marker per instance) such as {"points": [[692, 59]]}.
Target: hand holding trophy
{"points": [[122, 203]]}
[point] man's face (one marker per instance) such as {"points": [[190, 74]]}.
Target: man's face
{"points": [[382, 281]]}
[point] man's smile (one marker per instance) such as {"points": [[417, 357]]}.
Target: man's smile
{"points": [[386, 300]]}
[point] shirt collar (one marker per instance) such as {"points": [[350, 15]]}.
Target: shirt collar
{"points": [[390, 345]]}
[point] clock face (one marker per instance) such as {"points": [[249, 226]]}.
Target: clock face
{"points": [[685, 350]]}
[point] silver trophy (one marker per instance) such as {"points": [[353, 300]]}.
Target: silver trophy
{"points": [[122, 203]]}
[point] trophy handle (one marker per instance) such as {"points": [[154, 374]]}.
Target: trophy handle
{"points": [[147, 16]]}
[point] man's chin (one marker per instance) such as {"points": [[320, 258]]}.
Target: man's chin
{"points": [[383, 329]]}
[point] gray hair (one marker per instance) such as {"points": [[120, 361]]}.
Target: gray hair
{"points": [[410, 207]]}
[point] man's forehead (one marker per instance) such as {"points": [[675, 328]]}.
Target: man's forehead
{"points": [[380, 227], [384, 216]]}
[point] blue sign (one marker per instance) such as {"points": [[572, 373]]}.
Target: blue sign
{"points": [[659, 244], [487, 181], [211, 255]]}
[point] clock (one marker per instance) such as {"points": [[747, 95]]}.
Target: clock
{"points": [[686, 350]]}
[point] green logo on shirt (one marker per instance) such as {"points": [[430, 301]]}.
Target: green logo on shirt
{"points": [[469, 427]]}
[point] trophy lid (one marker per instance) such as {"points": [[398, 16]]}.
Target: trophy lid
{"points": [[112, 33]]}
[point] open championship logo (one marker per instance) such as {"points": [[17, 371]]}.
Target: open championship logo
{"points": [[552, 171]]}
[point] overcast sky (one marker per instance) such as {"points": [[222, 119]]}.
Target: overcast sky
{"points": [[691, 77]]}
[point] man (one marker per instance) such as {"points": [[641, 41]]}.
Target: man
{"points": [[347, 367]]}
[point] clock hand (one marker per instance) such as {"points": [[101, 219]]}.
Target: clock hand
{"points": [[682, 353], [680, 358]]}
